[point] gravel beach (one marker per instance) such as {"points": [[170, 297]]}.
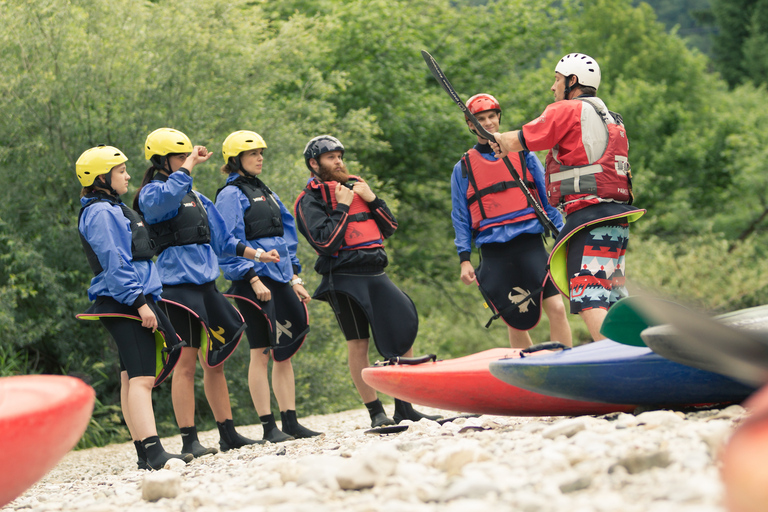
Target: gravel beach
{"points": [[650, 461]]}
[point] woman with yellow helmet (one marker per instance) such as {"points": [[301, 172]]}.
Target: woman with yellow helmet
{"points": [[189, 234], [124, 289], [271, 296]]}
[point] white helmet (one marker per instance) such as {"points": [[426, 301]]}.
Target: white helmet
{"points": [[583, 66]]}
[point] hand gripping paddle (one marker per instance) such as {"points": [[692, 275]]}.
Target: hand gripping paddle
{"points": [[440, 77]]}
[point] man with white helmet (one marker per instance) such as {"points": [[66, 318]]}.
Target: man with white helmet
{"points": [[588, 177], [490, 210]]}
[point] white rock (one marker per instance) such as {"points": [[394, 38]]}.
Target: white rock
{"points": [[363, 470], [454, 457], [175, 464], [160, 484], [565, 428], [653, 419]]}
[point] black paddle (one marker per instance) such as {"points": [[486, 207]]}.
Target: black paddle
{"points": [[441, 78]]}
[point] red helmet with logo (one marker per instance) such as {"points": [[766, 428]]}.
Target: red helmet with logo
{"points": [[482, 102]]}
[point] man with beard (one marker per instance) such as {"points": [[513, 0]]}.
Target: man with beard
{"points": [[346, 223], [588, 176], [490, 210]]}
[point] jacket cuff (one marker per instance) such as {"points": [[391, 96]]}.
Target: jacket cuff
{"points": [[464, 256], [240, 249], [140, 301], [521, 138], [342, 207], [296, 269], [250, 275], [376, 203]]}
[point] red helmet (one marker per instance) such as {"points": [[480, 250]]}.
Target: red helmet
{"points": [[482, 102]]}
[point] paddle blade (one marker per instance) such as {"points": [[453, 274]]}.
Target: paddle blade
{"points": [[709, 344], [626, 320]]}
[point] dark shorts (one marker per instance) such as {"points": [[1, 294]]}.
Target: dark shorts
{"points": [[205, 319], [281, 323], [135, 345], [351, 317], [124, 324], [596, 267], [186, 324], [512, 277], [370, 302]]}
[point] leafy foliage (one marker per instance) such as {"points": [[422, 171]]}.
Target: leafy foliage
{"points": [[76, 73]]}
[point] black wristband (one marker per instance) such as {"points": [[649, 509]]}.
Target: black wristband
{"points": [[250, 275], [140, 301]]}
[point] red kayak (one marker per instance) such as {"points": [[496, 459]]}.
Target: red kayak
{"points": [[42, 417], [465, 384]]}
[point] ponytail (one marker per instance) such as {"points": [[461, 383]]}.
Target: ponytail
{"points": [[227, 169], [148, 176]]}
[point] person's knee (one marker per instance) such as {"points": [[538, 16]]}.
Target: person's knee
{"points": [[214, 371], [554, 306], [144, 382]]}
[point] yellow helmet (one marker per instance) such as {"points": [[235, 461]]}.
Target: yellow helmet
{"points": [[165, 141], [96, 161], [243, 140]]}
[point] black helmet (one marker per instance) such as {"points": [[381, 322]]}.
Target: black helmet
{"points": [[320, 145]]}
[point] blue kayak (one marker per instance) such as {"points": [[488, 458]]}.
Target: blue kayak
{"points": [[607, 371]]}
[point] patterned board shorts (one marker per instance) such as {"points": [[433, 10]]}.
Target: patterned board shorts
{"points": [[596, 265]]}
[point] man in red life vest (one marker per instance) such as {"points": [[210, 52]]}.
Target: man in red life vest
{"points": [[346, 224], [491, 210], [588, 176]]}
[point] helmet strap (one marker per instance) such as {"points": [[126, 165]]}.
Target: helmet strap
{"points": [[107, 184], [161, 163], [237, 165], [568, 86]]}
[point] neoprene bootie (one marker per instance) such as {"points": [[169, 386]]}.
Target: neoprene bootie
{"points": [[271, 432], [191, 444], [292, 427], [156, 454], [142, 455], [405, 411], [230, 439], [378, 416]]}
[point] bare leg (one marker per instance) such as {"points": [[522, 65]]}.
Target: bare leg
{"points": [[358, 360], [217, 392], [258, 381], [124, 385], [284, 385], [519, 339], [183, 388], [559, 328], [140, 405], [594, 320]]}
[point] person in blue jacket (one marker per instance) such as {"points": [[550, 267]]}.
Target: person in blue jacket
{"points": [[125, 288], [490, 210], [271, 296], [189, 234]]}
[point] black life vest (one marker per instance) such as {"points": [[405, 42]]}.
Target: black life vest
{"points": [[262, 218], [142, 246], [189, 226]]}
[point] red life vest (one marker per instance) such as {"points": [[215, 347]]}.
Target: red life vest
{"points": [[492, 193], [608, 179], [362, 232]]}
